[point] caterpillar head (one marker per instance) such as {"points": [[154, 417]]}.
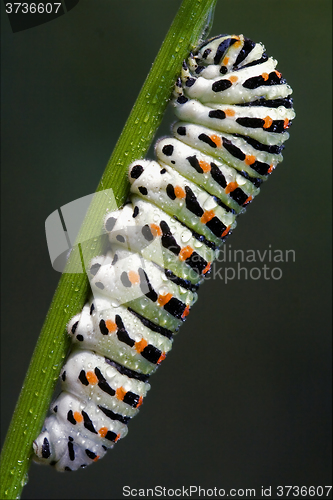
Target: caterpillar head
{"points": [[214, 49]]}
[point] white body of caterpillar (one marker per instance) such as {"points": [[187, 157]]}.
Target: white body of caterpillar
{"points": [[234, 109]]}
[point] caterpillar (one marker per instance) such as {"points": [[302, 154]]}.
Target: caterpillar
{"points": [[234, 109]]}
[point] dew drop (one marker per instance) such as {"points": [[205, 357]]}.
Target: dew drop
{"points": [[163, 290], [186, 236], [171, 61], [24, 480], [109, 372]]}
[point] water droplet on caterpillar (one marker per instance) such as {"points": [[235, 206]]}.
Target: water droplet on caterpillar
{"points": [[186, 236], [198, 244], [109, 373]]}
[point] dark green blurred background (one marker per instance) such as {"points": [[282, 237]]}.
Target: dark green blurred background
{"points": [[244, 398]]}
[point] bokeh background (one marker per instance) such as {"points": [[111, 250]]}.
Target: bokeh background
{"points": [[243, 400]]}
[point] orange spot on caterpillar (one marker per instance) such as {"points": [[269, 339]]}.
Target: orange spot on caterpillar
{"points": [[268, 122], [117, 438], [120, 393], [140, 402], [185, 253], [155, 229], [186, 312], [164, 299], [278, 74], [286, 123], [78, 417], [161, 358], [207, 268], [225, 232], [229, 112], [139, 346], [265, 76], [231, 187], [250, 198], [225, 61], [233, 79], [179, 192], [237, 44], [205, 166], [103, 431], [111, 325], [133, 277], [216, 140], [249, 159], [271, 168], [96, 458], [91, 377], [207, 216]]}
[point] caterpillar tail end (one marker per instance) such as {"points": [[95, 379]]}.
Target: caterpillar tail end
{"points": [[43, 449], [55, 446]]}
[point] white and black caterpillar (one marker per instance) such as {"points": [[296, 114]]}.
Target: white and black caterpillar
{"points": [[234, 108]]}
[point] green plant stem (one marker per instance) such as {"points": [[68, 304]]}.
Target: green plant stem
{"points": [[72, 290]]}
